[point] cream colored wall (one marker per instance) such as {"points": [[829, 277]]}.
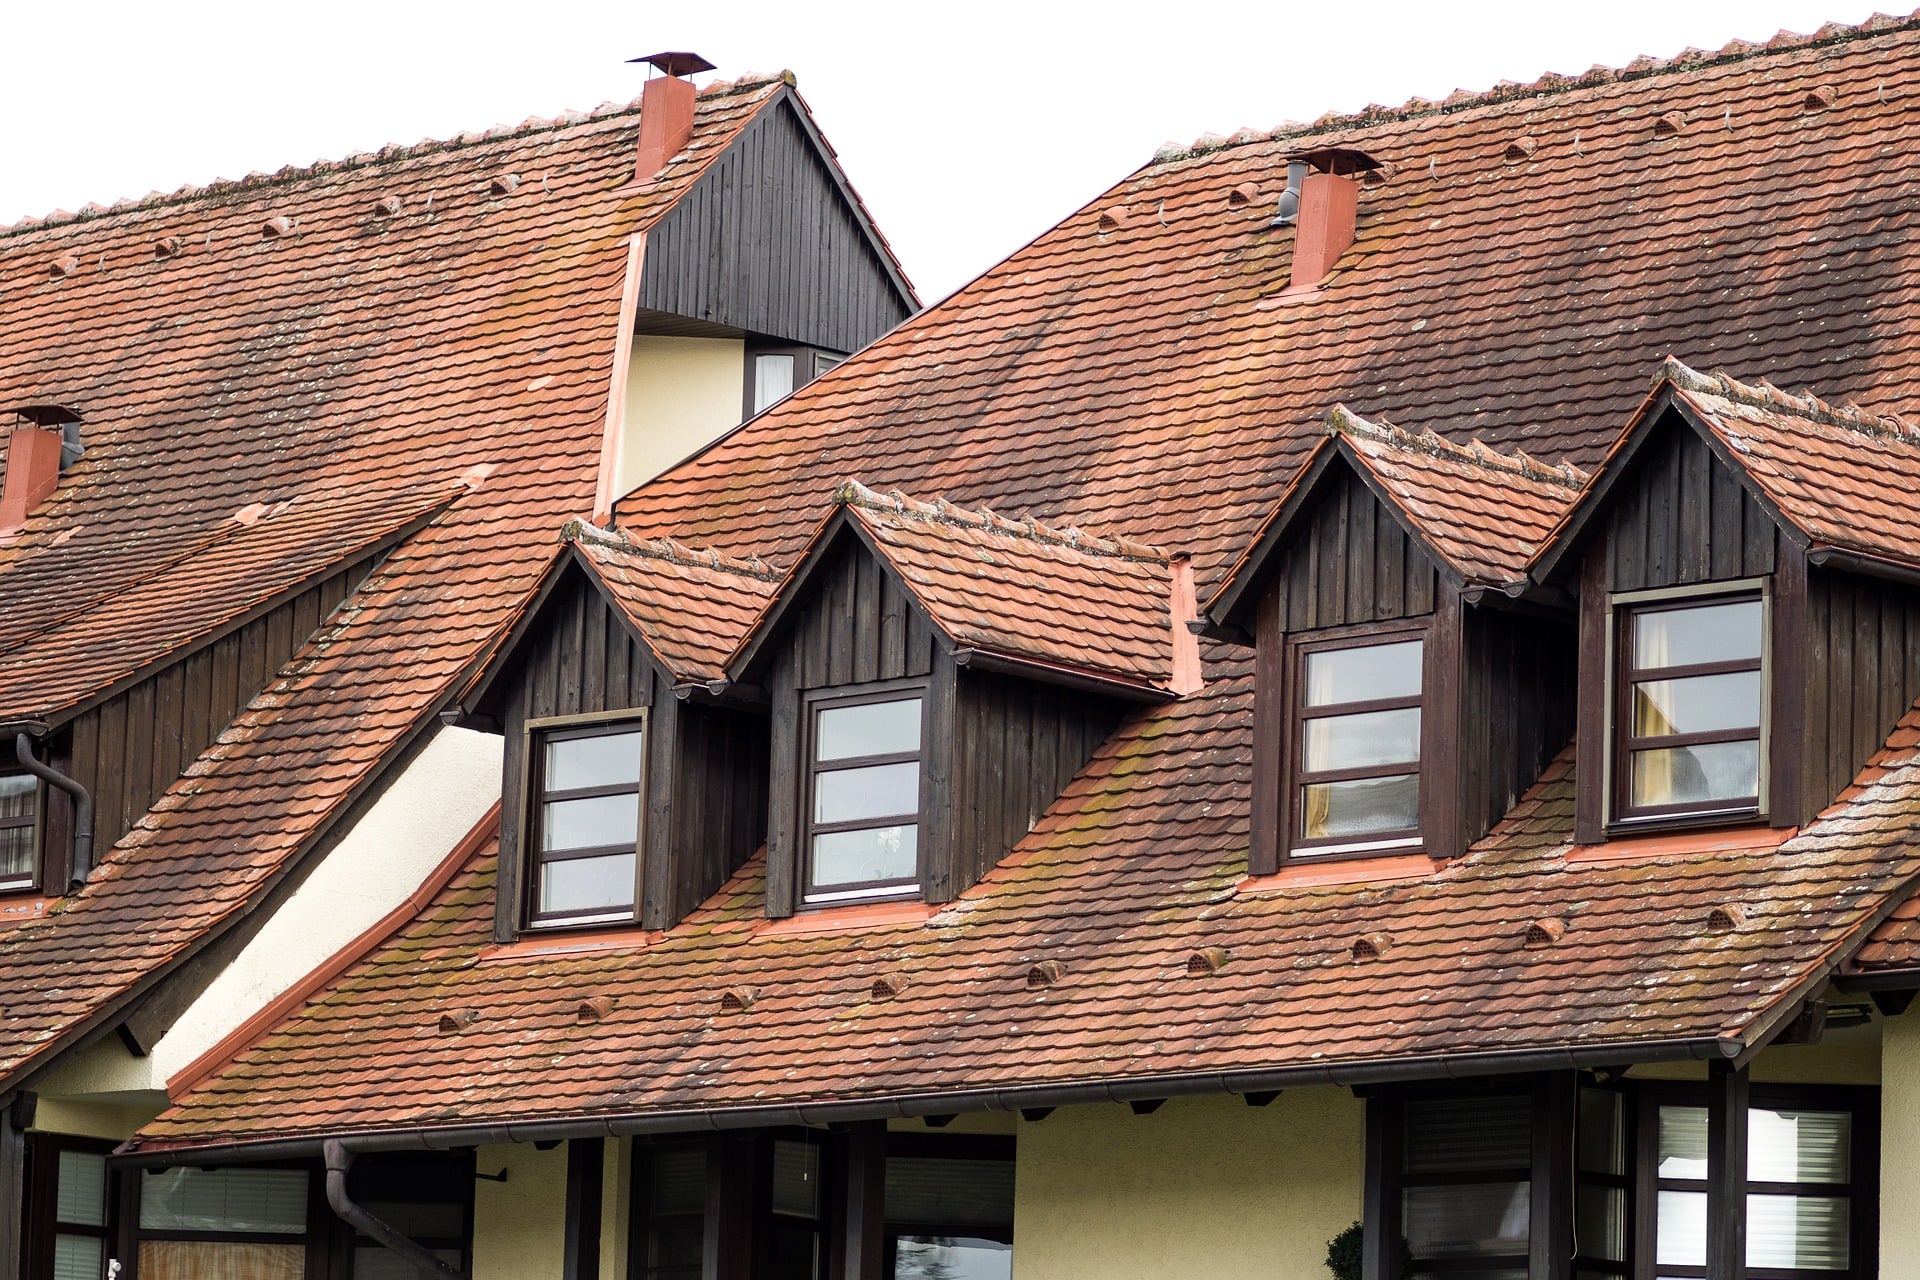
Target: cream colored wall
{"points": [[519, 1226], [1202, 1189], [1900, 1146], [1828, 1063], [682, 393], [615, 1183], [113, 1121]]}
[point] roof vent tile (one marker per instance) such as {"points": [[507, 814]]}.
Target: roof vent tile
{"points": [[1245, 193], [64, 266], [455, 1021], [888, 985], [1115, 218], [1045, 974], [168, 247], [738, 999], [505, 184], [1726, 918], [1821, 97], [1521, 149], [388, 206], [1669, 125], [275, 227], [1545, 931], [1370, 946], [1206, 962], [593, 1009]]}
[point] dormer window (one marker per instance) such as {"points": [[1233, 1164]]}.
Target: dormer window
{"points": [[1357, 745], [585, 821], [1689, 716], [863, 793], [19, 829]]}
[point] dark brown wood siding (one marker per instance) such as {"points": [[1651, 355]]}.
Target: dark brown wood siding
{"points": [[1017, 744], [1517, 680], [858, 627], [1352, 563], [130, 748], [765, 242], [1863, 674], [705, 788], [1681, 517]]}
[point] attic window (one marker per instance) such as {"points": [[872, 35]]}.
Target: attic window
{"points": [[862, 801], [1356, 744], [776, 372], [1689, 710], [584, 829], [19, 829]]}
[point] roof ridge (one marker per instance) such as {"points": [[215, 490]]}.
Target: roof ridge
{"points": [[1551, 83], [389, 154], [1342, 421], [671, 550], [851, 493], [1764, 395]]}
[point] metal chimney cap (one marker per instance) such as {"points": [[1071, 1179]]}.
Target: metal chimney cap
{"points": [[45, 415], [675, 64], [1338, 160]]}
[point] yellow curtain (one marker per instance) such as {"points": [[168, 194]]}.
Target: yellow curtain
{"points": [[220, 1260], [1652, 771]]}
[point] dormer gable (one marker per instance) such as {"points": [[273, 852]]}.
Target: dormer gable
{"points": [[1385, 693], [1724, 501], [618, 762], [967, 666]]}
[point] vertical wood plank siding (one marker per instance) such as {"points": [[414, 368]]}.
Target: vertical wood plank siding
{"points": [[1863, 674], [1683, 518], [765, 243], [1517, 707], [1354, 563], [706, 766], [132, 747]]}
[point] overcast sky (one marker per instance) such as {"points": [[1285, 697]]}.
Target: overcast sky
{"points": [[969, 128]]}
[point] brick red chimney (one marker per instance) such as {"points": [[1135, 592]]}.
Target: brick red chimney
{"points": [[666, 110], [1322, 201], [33, 472]]}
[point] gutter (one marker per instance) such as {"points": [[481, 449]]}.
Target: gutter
{"points": [[82, 808], [1827, 556], [339, 1161], [1031, 1097], [1057, 673]]}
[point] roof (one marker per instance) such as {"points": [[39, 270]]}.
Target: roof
{"points": [[1481, 514], [1506, 293], [371, 329], [1132, 875], [1053, 600]]}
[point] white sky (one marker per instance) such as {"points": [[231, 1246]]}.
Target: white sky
{"points": [[969, 128]]}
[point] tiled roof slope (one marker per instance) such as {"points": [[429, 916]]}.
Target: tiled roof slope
{"points": [[689, 605], [1746, 208], [1132, 873], [1016, 588], [1844, 477], [470, 332]]}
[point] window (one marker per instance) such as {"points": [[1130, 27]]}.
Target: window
{"points": [[20, 808], [862, 798], [772, 379], [69, 1214], [671, 1197], [198, 1222], [1688, 713], [1356, 745], [775, 372], [949, 1208], [584, 827], [1806, 1165], [1465, 1186]]}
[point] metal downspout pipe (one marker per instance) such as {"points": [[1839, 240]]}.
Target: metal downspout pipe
{"points": [[82, 807], [339, 1161]]}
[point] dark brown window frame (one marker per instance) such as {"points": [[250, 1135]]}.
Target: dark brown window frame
{"points": [[1292, 747], [806, 367], [36, 824], [537, 733], [812, 703], [1624, 818], [43, 1225]]}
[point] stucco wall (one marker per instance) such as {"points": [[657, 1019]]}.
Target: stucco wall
{"points": [[681, 394], [1202, 1189], [519, 1226], [1900, 1146]]}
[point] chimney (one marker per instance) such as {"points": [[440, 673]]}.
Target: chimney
{"points": [[666, 110], [1320, 202], [45, 439]]}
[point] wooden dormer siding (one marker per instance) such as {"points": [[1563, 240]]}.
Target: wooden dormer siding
{"points": [[1354, 562]]}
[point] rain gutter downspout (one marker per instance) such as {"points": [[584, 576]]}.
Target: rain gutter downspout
{"points": [[339, 1161], [82, 807]]}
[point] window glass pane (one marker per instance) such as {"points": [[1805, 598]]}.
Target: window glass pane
{"points": [[1602, 1137], [1355, 742], [1702, 633], [1680, 1235], [1460, 1135], [1683, 1142], [19, 796], [16, 853], [83, 1189], [1474, 1219], [1799, 1146], [1363, 674], [604, 760], [1366, 806], [857, 857], [939, 1191], [877, 791], [796, 1178], [206, 1260], [590, 823], [772, 379], [869, 729], [79, 1258], [951, 1258], [1600, 1222], [1696, 775], [16, 795], [1797, 1231], [193, 1199], [679, 1180], [577, 885], [1697, 704], [823, 362]]}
